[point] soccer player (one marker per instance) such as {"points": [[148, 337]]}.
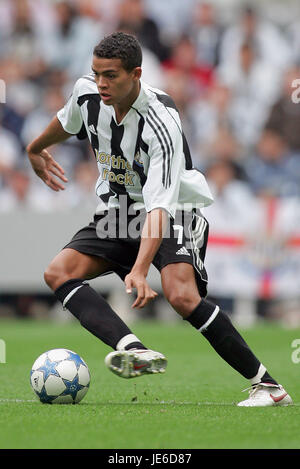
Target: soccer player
{"points": [[149, 198]]}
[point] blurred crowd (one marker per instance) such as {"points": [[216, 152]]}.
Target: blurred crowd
{"points": [[232, 81]]}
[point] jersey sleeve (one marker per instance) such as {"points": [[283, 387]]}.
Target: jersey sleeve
{"points": [[166, 163], [70, 115]]}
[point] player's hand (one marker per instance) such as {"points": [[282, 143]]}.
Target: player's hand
{"points": [[46, 168], [144, 292]]}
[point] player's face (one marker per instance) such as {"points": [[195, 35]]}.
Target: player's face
{"points": [[116, 85]]}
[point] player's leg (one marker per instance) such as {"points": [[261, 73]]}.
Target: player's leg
{"points": [[184, 282], [66, 276], [181, 290], [89, 254]]}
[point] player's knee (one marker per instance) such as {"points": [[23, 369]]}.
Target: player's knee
{"points": [[54, 276], [182, 301], [50, 277]]}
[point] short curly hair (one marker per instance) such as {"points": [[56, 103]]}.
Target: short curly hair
{"points": [[121, 46]]}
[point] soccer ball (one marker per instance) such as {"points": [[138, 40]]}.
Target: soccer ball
{"points": [[60, 376]]}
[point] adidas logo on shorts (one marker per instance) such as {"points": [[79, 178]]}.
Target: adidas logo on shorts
{"points": [[183, 251]]}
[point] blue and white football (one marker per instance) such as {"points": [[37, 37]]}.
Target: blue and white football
{"points": [[60, 376]]}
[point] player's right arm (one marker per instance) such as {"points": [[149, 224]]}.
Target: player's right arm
{"points": [[65, 124], [42, 162]]}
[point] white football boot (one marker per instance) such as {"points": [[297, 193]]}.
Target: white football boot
{"points": [[266, 395], [135, 362]]}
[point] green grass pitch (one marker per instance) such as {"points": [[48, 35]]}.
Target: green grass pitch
{"points": [[191, 406]]}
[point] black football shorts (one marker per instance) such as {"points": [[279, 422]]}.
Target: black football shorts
{"points": [[116, 240]]}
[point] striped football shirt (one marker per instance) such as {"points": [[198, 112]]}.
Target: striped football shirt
{"points": [[145, 157]]}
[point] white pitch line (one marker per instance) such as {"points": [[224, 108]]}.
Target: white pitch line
{"points": [[205, 403], [18, 400]]}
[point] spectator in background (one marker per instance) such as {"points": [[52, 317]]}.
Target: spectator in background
{"points": [[225, 147], [206, 33], [273, 170], [22, 40], [212, 127], [22, 94], [133, 18], [79, 193], [9, 154], [184, 59], [72, 37], [21, 34], [271, 45], [52, 100], [231, 217], [231, 193], [152, 69], [293, 34], [25, 37], [15, 194], [22, 191], [208, 123], [177, 86], [254, 86], [172, 18], [284, 117]]}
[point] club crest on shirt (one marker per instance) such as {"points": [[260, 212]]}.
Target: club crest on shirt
{"points": [[138, 158]]}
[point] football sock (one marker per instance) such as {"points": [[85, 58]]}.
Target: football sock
{"points": [[95, 315], [217, 328], [129, 342]]}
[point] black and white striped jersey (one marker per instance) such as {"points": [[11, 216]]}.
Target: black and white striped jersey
{"points": [[145, 157]]}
